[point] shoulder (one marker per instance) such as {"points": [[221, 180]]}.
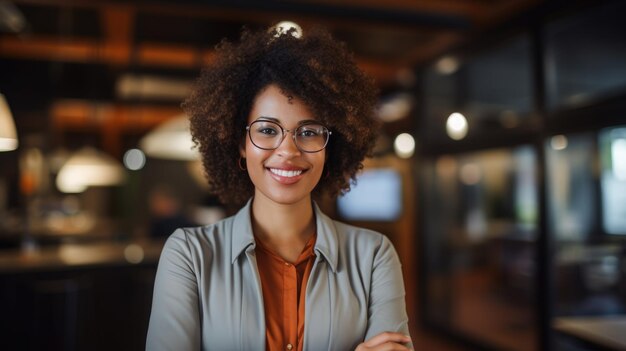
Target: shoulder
{"points": [[361, 245], [200, 240], [353, 235]]}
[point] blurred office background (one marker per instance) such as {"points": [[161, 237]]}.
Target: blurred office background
{"points": [[500, 173]]}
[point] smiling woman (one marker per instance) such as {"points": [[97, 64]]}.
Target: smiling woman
{"points": [[315, 69], [284, 170], [278, 119]]}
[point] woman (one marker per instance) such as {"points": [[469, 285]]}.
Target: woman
{"points": [[278, 119]]}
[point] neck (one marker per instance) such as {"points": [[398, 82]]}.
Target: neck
{"points": [[283, 225]]}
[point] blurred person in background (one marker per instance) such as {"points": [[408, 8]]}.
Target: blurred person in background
{"points": [[280, 117], [166, 212]]}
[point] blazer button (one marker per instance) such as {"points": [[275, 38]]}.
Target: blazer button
{"points": [[289, 346]]}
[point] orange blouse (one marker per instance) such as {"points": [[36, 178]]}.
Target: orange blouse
{"points": [[284, 288]]}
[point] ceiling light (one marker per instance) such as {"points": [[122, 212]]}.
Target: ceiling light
{"points": [[284, 26], [170, 140], [132, 86], [404, 145], [447, 65], [11, 19], [134, 159], [8, 134], [456, 126], [558, 142], [89, 167], [395, 108]]}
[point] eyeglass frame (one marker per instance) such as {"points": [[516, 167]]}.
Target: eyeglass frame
{"points": [[284, 133]]}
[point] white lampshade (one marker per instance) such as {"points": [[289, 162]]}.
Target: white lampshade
{"points": [[170, 140], [89, 167], [8, 134]]}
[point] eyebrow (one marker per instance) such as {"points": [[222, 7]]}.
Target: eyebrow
{"points": [[272, 119]]}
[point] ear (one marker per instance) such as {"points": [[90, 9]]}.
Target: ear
{"points": [[242, 148]]}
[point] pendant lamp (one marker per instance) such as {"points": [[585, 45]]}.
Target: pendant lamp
{"points": [[8, 134]]}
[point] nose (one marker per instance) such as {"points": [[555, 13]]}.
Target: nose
{"points": [[287, 147]]}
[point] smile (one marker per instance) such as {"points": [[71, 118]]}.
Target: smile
{"points": [[285, 173]]}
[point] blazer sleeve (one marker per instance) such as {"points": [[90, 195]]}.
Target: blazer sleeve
{"points": [[386, 307], [174, 320]]}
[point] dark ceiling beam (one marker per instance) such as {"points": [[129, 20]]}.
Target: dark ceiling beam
{"points": [[464, 8], [438, 44], [503, 11], [361, 13], [144, 54], [249, 9], [94, 51]]}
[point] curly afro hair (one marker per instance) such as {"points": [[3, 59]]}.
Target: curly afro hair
{"points": [[316, 69]]}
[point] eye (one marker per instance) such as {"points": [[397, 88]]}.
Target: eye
{"points": [[267, 131], [310, 131]]}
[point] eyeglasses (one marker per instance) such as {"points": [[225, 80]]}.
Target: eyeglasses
{"points": [[268, 135]]}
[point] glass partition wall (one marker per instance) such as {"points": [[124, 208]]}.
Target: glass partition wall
{"points": [[523, 197], [481, 244]]}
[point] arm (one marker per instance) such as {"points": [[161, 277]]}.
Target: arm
{"points": [[174, 320], [386, 308]]}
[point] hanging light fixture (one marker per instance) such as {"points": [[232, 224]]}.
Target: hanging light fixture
{"points": [[456, 126], [89, 167], [8, 134], [284, 26], [170, 140]]}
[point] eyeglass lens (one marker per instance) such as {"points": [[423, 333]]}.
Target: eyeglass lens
{"points": [[269, 135]]}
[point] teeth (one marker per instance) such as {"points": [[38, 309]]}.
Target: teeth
{"points": [[284, 173]]}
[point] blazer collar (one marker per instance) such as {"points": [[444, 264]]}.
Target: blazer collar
{"points": [[242, 236], [326, 244]]}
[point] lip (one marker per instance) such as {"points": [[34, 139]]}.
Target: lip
{"points": [[286, 180]]}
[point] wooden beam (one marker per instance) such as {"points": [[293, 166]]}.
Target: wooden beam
{"points": [[383, 73], [468, 8], [49, 48], [439, 44], [167, 55], [117, 23], [504, 10], [107, 52], [71, 114], [147, 54], [111, 121], [422, 13]]}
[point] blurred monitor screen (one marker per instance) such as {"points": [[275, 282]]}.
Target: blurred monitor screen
{"points": [[613, 180], [377, 196]]}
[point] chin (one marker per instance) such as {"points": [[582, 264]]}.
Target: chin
{"points": [[286, 198]]}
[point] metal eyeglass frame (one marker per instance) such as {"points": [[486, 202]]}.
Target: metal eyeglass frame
{"points": [[284, 132]]}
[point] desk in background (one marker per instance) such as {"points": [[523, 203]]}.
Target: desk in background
{"points": [[94, 296], [605, 332]]}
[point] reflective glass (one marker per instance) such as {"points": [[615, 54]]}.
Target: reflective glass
{"points": [[569, 166], [585, 223], [613, 179], [492, 89], [586, 56], [481, 229]]}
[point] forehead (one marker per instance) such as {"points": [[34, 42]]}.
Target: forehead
{"points": [[274, 103]]}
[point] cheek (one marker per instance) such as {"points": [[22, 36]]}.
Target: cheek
{"points": [[320, 163], [255, 157], [249, 150]]}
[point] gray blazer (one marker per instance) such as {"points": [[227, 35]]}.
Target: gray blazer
{"points": [[207, 293]]}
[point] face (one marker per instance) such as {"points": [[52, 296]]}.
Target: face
{"points": [[284, 175]]}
